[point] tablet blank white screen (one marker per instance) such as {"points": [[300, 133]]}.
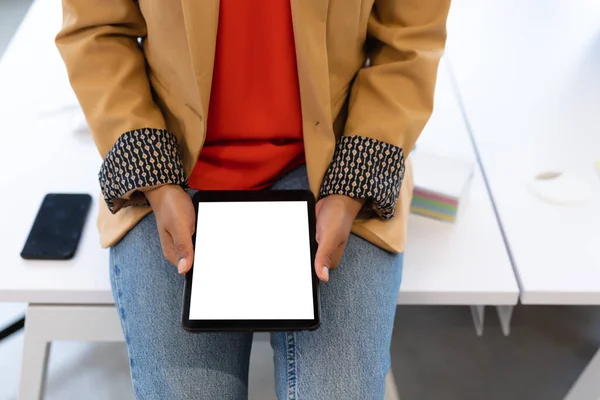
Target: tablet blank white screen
{"points": [[252, 261]]}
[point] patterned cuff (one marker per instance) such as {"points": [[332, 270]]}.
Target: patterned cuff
{"points": [[366, 168], [140, 159]]}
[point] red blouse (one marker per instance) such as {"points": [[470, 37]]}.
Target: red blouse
{"points": [[254, 133]]}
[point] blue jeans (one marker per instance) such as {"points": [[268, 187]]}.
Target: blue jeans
{"points": [[346, 358]]}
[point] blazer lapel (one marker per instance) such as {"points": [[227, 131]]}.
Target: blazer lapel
{"points": [[310, 32], [201, 22], [310, 23]]}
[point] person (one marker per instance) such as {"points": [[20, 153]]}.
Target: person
{"points": [[326, 95]]}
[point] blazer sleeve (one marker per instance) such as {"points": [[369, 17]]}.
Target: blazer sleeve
{"points": [[390, 101], [100, 45]]}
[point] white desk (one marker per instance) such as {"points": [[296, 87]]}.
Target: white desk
{"points": [[529, 76], [463, 263], [43, 154], [532, 97], [46, 155]]}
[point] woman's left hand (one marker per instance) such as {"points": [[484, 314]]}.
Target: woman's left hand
{"points": [[335, 214]]}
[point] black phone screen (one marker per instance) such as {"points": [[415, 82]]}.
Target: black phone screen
{"points": [[57, 227]]}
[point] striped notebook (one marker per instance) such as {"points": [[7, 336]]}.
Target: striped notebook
{"points": [[440, 182]]}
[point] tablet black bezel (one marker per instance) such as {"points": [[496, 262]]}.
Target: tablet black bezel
{"points": [[256, 325]]}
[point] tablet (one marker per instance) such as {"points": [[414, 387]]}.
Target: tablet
{"points": [[254, 253]]}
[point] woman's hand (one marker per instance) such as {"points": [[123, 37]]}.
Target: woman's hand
{"points": [[175, 216], [335, 214]]}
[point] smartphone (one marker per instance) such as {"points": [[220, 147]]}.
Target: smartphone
{"points": [[57, 227]]}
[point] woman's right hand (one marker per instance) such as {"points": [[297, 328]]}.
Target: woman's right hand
{"points": [[175, 216]]}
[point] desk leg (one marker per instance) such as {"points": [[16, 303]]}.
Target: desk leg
{"points": [[505, 315], [478, 314], [587, 386], [36, 349], [391, 390], [45, 323]]}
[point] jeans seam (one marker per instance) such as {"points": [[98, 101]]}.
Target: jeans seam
{"points": [[292, 373], [119, 307]]}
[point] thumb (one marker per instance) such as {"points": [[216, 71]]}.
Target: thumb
{"points": [[324, 259], [184, 250]]}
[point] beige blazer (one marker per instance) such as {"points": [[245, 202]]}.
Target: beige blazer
{"points": [[366, 67]]}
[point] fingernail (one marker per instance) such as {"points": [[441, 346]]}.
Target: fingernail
{"points": [[325, 272], [181, 266]]}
